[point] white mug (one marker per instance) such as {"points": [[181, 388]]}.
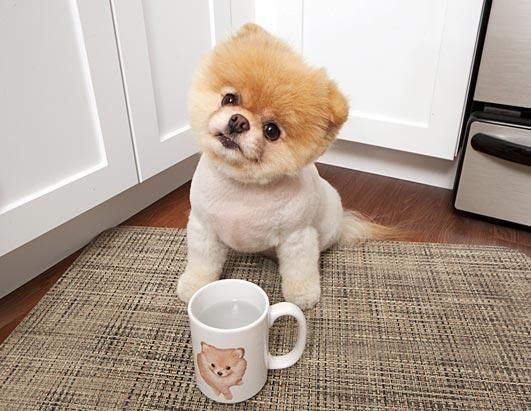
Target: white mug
{"points": [[230, 321]]}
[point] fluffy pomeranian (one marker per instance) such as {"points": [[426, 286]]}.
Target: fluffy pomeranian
{"points": [[263, 117], [221, 368]]}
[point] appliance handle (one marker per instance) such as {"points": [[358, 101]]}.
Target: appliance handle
{"points": [[507, 150]]}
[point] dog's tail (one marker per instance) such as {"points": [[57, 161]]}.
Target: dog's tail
{"points": [[356, 228]]}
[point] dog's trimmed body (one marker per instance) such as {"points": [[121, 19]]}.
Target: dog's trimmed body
{"points": [[297, 216], [254, 218]]}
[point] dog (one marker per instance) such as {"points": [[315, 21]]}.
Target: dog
{"points": [[221, 368], [263, 116]]}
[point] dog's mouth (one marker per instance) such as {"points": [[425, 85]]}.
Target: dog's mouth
{"points": [[219, 374], [228, 142]]}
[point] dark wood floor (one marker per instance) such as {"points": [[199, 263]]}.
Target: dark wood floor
{"points": [[425, 212]]}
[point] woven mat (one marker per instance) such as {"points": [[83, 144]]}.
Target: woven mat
{"points": [[400, 326]]}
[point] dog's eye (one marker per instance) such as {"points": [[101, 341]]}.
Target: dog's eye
{"points": [[229, 99], [271, 131], [213, 365], [227, 367]]}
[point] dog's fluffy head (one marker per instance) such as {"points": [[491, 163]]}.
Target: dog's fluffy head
{"points": [[260, 111], [223, 362]]}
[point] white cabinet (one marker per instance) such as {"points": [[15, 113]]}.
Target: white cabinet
{"points": [[65, 141], [93, 101], [161, 43], [404, 65]]}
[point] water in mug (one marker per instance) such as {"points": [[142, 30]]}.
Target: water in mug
{"points": [[229, 314]]}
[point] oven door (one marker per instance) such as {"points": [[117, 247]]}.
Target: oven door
{"points": [[495, 173]]}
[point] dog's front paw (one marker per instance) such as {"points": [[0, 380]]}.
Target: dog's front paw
{"points": [[303, 293], [189, 282]]}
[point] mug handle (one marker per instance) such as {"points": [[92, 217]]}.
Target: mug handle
{"points": [[276, 362]]}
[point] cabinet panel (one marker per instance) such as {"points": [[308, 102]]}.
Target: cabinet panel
{"points": [[161, 43], [405, 66], [388, 59], [49, 114], [66, 145], [174, 50]]}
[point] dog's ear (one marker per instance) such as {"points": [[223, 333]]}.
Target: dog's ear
{"points": [[337, 107], [248, 29], [238, 352], [205, 347]]}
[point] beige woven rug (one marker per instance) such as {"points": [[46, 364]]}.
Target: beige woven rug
{"points": [[400, 326]]}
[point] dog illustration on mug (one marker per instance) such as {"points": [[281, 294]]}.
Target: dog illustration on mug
{"points": [[221, 368]]}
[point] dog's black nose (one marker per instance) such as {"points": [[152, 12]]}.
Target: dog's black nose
{"points": [[220, 373], [238, 124]]}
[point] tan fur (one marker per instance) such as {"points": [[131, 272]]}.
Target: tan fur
{"points": [[356, 228], [275, 84], [230, 362]]}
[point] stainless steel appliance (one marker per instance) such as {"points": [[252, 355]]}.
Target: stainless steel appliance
{"points": [[494, 176]]}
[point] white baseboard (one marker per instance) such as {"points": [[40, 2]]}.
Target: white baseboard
{"points": [[392, 163], [26, 262]]}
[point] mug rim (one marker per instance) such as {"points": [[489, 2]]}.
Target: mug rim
{"points": [[246, 283]]}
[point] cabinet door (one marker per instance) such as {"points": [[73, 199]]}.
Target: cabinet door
{"points": [[405, 66], [160, 44], [65, 141]]}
